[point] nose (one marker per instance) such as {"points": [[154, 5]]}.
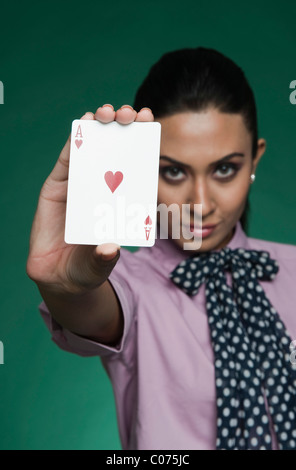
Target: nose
{"points": [[201, 194]]}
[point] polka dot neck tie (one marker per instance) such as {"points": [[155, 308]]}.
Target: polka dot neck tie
{"points": [[251, 348]]}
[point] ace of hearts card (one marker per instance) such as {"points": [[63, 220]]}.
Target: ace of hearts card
{"points": [[113, 183]]}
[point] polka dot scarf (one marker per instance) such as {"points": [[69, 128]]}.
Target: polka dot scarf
{"points": [[251, 347]]}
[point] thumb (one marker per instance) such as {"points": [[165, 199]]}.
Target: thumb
{"points": [[99, 265], [107, 251], [89, 267]]}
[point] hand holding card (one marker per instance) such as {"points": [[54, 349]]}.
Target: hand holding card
{"points": [[60, 269], [113, 182]]}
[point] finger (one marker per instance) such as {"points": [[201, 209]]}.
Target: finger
{"points": [[105, 113], [88, 116], [126, 114], [145, 115]]}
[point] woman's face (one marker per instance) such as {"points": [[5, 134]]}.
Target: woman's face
{"points": [[205, 158]]}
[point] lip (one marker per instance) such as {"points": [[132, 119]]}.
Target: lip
{"points": [[205, 232], [204, 226]]}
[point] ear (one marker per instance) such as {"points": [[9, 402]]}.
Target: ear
{"points": [[261, 147]]}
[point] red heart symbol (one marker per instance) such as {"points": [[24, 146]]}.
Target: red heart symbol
{"points": [[113, 180], [148, 221], [78, 143]]}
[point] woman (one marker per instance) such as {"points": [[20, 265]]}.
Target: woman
{"points": [[196, 343]]}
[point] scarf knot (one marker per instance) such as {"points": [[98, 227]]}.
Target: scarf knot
{"points": [[191, 273]]}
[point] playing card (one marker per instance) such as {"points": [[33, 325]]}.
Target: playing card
{"points": [[112, 184]]}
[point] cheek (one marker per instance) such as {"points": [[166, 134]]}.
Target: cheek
{"points": [[170, 194], [233, 196]]}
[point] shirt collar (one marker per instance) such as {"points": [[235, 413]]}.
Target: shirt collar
{"points": [[170, 255]]}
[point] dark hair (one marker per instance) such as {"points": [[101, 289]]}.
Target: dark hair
{"points": [[195, 79]]}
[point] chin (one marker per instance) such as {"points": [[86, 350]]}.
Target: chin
{"points": [[207, 244]]}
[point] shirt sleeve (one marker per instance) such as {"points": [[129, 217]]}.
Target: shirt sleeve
{"points": [[121, 279]]}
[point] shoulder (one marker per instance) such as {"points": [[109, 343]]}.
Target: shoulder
{"points": [[283, 251]]}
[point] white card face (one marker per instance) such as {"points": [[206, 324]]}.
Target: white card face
{"points": [[113, 183]]}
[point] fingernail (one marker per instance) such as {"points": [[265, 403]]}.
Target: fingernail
{"points": [[147, 108], [126, 106], [108, 105]]}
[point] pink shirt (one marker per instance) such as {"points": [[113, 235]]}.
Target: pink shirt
{"points": [[163, 371]]}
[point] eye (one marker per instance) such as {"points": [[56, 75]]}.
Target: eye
{"points": [[172, 173], [226, 170]]}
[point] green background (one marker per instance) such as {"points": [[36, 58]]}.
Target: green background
{"points": [[59, 59]]}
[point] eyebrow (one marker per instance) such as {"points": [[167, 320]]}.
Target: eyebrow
{"points": [[223, 159]]}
